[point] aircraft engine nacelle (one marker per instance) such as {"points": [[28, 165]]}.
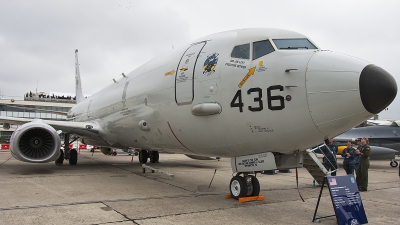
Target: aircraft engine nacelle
{"points": [[35, 142], [105, 150]]}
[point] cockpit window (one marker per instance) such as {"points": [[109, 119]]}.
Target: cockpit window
{"points": [[395, 123], [295, 43], [241, 51], [261, 48]]}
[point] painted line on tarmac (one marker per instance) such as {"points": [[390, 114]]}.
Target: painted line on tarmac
{"points": [[5, 161]]}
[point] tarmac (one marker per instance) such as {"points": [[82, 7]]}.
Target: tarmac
{"points": [[113, 190]]}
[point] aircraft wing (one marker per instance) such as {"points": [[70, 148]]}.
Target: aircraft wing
{"points": [[379, 122], [79, 128]]}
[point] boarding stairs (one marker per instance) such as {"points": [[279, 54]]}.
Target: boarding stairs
{"points": [[314, 165]]}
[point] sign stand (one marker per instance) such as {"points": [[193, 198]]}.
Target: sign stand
{"points": [[317, 219], [346, 200]]}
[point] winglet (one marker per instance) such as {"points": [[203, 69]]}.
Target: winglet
{"points": [[78, 84]]}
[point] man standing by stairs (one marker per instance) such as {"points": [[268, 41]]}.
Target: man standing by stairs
{"points": [[357, 156], [329, 160]]}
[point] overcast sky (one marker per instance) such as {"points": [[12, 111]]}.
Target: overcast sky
{"points": [[38, 38]]}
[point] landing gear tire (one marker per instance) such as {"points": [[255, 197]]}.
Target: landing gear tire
{"points": [[143, 156], [394, 163], [238, 187], [66, 154], [60, 159], [154, 157], [256, 186], [73, 157]]}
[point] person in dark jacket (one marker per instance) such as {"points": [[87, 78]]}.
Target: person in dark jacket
{"points": [[362, 171], [329, 160], [348, 158], [357, 156]]}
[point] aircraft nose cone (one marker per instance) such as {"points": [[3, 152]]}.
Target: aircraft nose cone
{"points": [[377, 88]]}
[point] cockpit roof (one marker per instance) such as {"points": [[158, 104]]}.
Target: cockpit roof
{"points": [[248, 35]]}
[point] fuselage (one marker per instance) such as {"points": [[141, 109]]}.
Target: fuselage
{"points": [[229, 94]]}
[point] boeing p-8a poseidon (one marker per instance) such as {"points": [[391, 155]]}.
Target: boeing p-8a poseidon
{"points": [[258, 96]]}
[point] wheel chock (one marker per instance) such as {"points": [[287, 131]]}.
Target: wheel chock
{"points": [[252, 198], [248, 198]]}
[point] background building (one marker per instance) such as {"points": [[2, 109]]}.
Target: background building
{"points": [[32, 108]]}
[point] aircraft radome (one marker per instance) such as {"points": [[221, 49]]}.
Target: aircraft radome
{"points": [[258, 96]]}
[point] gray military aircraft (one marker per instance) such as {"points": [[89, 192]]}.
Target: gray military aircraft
{"points": [[257, 96], [383, 140]]}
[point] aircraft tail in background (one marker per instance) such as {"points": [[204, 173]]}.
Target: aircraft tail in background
{"points": [[78, 83]]}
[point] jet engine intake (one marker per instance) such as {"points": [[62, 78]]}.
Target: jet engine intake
{"points": [[35, 142]]}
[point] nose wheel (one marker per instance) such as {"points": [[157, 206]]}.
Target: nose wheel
{"points": [[247, 185]]}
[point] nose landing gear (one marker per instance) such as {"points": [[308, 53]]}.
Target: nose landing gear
{"points": [[394, 163], [243, 186]]}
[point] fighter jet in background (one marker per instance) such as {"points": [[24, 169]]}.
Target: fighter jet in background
{"points": [[383, 140], [394, 123]]}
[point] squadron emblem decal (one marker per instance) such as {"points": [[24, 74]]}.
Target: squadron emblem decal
{"points": [[210, 64]]}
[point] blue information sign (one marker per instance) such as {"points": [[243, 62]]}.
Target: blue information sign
{"points": [[346, 200]]}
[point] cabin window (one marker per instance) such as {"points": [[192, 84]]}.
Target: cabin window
{"points": [[294, 43], [261, 48], [241, 51]]}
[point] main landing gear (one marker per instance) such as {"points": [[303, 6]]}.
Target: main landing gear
{"points": [[68, 154], [144, 155], [243, 186], [60, 159], [73, 157]]}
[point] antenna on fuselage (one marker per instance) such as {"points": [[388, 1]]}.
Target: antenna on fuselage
{"points": [[78, 84]]}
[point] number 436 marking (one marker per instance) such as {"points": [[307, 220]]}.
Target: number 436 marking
{"points": [[237, 99]]}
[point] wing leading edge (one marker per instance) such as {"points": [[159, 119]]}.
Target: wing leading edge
{"points": [[79, 128]]}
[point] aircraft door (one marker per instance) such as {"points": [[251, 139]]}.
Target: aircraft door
{"points": [[184, 90]]}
